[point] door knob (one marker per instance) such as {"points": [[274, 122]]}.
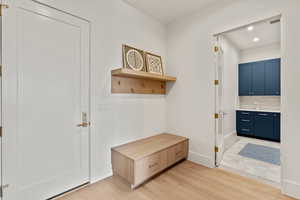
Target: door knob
{"points": [[84, 123]]}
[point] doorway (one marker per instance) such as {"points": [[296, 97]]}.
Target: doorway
{"points": [[46, 101], [248, 100]]}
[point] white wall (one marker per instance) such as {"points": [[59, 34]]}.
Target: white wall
{"points": [[190, 105], [260, 53], [117, 119]]}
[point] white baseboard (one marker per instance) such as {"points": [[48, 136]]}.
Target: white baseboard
{"points": [[291, 188], [94, 180], [201, 159]]}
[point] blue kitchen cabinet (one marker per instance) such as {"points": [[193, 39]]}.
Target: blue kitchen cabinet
{"points": [[245, 79], [261, 125], [258, 78], [277, 127], [272, 77], [245, 123], [264, 126]]}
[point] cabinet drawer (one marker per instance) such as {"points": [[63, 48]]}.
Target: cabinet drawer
{"points": [[177, 153], [245, 128], [245, 122], [149, 166], [244, 113], [245, 116], [246, 131]]}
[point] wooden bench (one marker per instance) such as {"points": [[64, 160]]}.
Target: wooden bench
{"points": [[138, 161]]}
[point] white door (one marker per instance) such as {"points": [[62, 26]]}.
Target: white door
{"points": [[219, 95], [45, 92], [1, 103]]}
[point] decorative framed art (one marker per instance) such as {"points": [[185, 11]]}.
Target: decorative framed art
{"points": [[154, 63], [133, 58]]}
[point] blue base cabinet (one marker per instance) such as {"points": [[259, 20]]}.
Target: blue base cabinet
{"points": [[245, 123], [277, 125], [260, 78], [261, 125]]}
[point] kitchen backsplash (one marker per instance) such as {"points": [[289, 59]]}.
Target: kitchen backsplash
{"points": [[260, 102]]}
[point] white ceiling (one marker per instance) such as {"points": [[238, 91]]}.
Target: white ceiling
{"points": [[267, 33], [169, 10]]}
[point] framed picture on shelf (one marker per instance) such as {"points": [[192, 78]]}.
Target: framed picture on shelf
{"points": [[154, 63], [133, 58]]}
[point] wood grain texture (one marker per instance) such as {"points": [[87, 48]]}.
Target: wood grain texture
{"points": [[128, 81], [122, 166], [186, 181], [142, 148], [122, 72], [138, 161], [124, 85]]}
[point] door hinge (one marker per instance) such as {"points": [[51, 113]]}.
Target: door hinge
{"points": [[2, 6], [2, 188], [1, 131], [216, 116], [216, 82], [216, 149], [1, 70]]}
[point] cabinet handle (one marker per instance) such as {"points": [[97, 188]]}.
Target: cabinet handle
{"points": [[263, 114], [244, 120], [245, 113], [151, 166], [245, 130]]}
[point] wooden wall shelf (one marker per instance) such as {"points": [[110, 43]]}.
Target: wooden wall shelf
{"points": [[129, 81], [140, 75]]}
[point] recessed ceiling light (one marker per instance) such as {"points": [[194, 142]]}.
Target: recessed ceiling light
{"points": [[250, 28], [256, 39]]}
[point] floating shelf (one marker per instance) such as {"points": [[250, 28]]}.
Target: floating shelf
{"points": [[130, 81], [140, 75]]}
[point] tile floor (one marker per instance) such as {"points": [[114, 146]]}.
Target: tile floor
{"points": [[265, 172]]}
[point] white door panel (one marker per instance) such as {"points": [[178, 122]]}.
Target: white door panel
{"points": [[1, 104], [219, 95], [46, 83]]}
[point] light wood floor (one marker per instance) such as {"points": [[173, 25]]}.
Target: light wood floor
{"points": [[186, 181]]}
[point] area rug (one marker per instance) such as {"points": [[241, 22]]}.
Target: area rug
{"points": [[263, 153]]}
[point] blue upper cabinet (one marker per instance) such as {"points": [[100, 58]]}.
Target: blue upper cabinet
{"points": [[260, 78], [245, 79], [272, 77]]}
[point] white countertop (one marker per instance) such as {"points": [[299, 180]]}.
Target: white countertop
{"points": [[259, 110]]}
